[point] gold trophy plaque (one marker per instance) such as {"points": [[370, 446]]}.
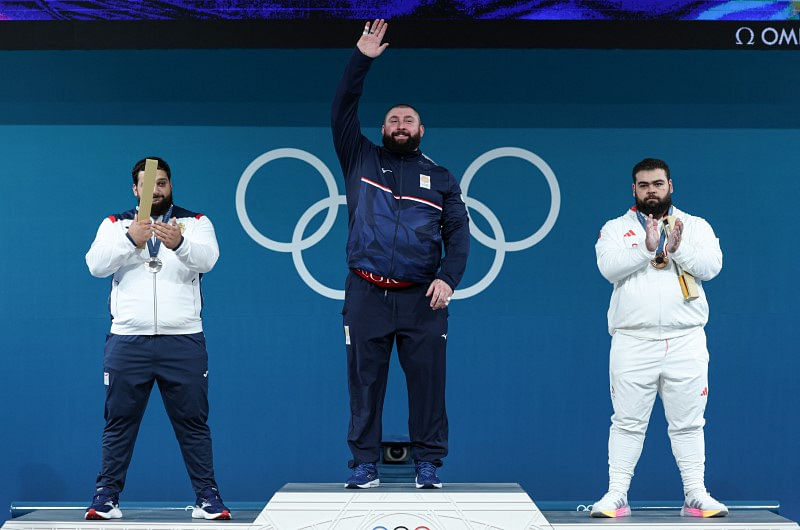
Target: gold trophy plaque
{"points": [[686, 280], [148, 185]]}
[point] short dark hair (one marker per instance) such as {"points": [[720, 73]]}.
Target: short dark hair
{"points": [[402, 106], [139, 166], [648, 164]]}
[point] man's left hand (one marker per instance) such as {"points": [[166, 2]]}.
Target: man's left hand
{"points": [[674, 239], [169, 234], [440, 294]]}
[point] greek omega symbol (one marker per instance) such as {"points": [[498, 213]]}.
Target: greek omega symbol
{"points": [[331, 203], [745, 35]]}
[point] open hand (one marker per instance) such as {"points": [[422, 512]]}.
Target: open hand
{"points": [[674, 239], [653, 234], [370, 42], [168, 233]]}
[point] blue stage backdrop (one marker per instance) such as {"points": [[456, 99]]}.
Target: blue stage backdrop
{"points": [[528, 346]]}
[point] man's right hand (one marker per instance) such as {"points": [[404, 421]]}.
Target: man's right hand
{"points": [[653, 234], [370, 42], [140, 231]]}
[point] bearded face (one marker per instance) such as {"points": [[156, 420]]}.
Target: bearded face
{"points": [[402, 130], [401, 141], [161, 204], [653, 192], [654, 205], [162, 192]]}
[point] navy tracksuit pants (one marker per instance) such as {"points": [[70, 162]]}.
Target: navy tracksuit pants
{"points": [[374, 318], [179, 363]]}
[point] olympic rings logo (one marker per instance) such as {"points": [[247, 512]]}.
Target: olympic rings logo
{"points": [[400, 528], [298, 244]]}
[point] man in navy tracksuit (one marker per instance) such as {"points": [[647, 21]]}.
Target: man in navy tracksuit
{"points": [[402, 207], [156, 265]]}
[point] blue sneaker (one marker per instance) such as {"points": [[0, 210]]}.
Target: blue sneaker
{"points": [[209, 506], [364, 476], [426, 476], [105, 505]]}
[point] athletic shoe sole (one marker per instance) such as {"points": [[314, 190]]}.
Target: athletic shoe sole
{"points": [[94, 515], [427, 486], [199, 513], [697, 512], [371, 484], [625, 511]]}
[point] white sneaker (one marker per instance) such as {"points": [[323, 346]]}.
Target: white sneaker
{"points": [[699, 503], [613, 504]]}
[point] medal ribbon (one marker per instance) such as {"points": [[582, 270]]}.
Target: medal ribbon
{"points": [[643, 221], [154, 247]]}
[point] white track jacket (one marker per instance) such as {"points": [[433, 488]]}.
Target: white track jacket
{"points": [[647, 302], [171, 304]]}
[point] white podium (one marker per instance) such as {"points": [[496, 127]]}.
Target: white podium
{"points": [[391, 506]]}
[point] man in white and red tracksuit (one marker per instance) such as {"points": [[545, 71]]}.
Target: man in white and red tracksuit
{"points": [[658, 344], [156, 265], [402, 209]]}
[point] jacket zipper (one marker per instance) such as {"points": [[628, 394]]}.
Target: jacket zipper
{"points": [[397, 217]]}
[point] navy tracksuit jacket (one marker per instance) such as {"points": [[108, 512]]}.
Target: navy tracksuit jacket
{"points": [[402, 209]]}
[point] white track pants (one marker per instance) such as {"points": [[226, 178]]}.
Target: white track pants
{"points": [[676, 369]]}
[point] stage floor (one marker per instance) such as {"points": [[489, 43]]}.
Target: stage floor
{"points": [[69, 519], [454, 507], [663, 519]]}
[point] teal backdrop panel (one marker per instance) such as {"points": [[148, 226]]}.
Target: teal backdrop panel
{"points": [[528, 355]]}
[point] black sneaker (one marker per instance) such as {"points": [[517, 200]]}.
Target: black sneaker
{"points": [[209, 506], [105, 505]]}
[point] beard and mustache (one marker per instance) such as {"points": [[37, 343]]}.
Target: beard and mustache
{"points": [[657, 207], [160, 207], [407, 147]]}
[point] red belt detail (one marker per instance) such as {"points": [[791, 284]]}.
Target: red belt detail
{"points": [[382, 281]]}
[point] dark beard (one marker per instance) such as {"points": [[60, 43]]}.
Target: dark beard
{"points": [[659, 209], [162, 207], [410, 146]]}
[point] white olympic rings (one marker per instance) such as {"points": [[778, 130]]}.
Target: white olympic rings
{"points": [[334, 200]]}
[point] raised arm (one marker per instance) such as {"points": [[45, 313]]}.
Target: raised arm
{"points": [[347, 138]]}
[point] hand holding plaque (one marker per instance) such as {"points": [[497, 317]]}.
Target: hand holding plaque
{"points": [[140, 231]]}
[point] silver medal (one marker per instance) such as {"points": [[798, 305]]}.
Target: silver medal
{"points": [[153, 264]]}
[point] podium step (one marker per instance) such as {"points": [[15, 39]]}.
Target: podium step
{"points": [[324, 506]]}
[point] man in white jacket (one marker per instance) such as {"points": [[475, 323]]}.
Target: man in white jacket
{"points": [[156, 336], [658, 344]]}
